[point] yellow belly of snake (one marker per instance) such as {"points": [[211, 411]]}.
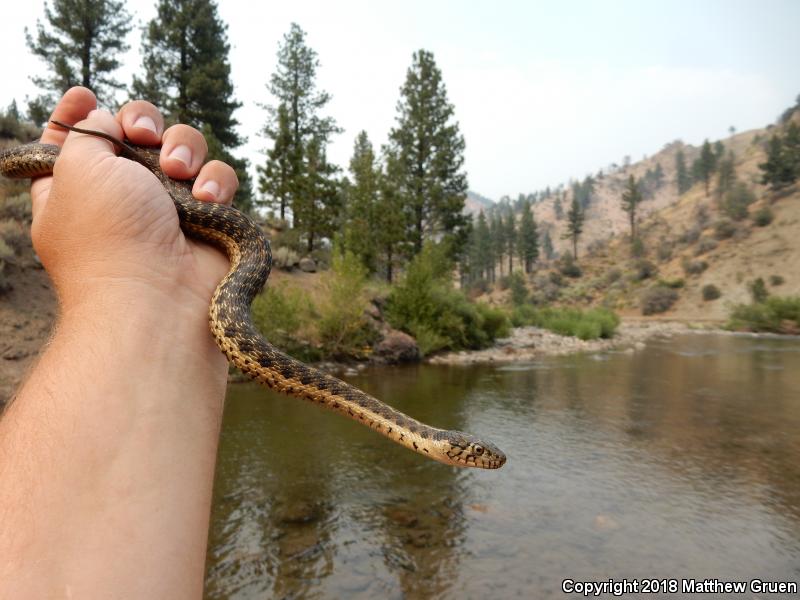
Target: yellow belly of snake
{"points": [[250, 259]]}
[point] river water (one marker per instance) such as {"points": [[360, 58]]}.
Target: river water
{"points": [[679, 461]]}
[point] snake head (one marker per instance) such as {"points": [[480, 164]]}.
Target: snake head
{"points": [[468, 451]]}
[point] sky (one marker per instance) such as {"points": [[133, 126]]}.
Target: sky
{"points": [[543, 91]]}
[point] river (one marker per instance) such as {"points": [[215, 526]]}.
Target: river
{"points": [[679, 461]]}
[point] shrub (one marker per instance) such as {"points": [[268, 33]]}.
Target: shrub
{"points": [[724, 229], [690, 236], [568, 267], [694, 267], [555, 278], [737, 200], [16, 207], [758, 290], [763, 217], [643, 269], [343, 326], [637, 248], [711, 292], [519, 293], [706, 244], [658, 299], [675, 284], [776, 280], [613, 275], [14, 235], [504, 282], [281, 314], [664, 250], [776, 314], [586, 325], [478, 287], [425, 304]]}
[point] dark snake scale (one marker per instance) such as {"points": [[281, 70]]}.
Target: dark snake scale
{"points": [[248, 250]]}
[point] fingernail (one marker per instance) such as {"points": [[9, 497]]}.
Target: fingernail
{"points": [[145, 122], [183, 154], [212, 187]]}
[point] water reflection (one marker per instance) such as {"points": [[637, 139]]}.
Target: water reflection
{"points": [[682, 460]]}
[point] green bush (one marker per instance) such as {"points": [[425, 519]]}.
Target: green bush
{"points": [[758, 290], [711, 292], [586, 325], [425, 304], [706, 244], [763, 217], [568, 267], [658, 299], [724, 229], [675, 284], [694, 267], [737, 200], [519, 293], [776, 314], [342, 323], [776, 280], [283, 314], [643, 269]]}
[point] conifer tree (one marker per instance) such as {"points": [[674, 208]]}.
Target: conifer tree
{"points": [[275, 179], [574, 225], [188, 76], [528, 241], [425, 156], [318, 203], [726, 174], [782, 167], [682, 177], [511, 239], [484, 250], [390, 226], [361, 201], [498, 235], [296, 119], [631, 198], [79, 43], [705, 165], [547, 245]]}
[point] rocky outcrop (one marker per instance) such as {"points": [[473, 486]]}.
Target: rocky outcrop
{"points": [[395, 348]]}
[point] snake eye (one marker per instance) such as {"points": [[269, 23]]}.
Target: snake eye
{"points": [[478, 450]]}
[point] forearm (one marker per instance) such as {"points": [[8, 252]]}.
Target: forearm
{"points": [[107, 456]]}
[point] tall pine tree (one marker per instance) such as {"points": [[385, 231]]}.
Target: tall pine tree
{"points": [[79, 44], [187, 75], [528, 239], [631, 198], [317, 206], [682, 177], [511, 239], [361, 194], [574, 225], [425, 156], [294, 122]]}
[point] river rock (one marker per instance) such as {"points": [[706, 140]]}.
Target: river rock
{"points": [[307, 265], [397, 347]]}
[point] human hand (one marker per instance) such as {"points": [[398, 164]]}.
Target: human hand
{"points": [[105, 228]]}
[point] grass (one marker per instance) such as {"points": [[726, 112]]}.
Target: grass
{"points": [[584, 324], [776, 314]]}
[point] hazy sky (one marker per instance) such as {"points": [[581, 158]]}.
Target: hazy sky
{"points": [[543, 91]]}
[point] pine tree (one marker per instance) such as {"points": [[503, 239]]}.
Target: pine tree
{"points": [[528, 239], [682, 177], [511, 239], [425, 156], [295, 120], [782, 167], [498, 235], [547, 245], [80, 47], [390, 226], [574, 225], [318, 203], [631, 198], [187, 75], [361, 200], [726, 174], [705, 165], [275, 180], [484, 250]]}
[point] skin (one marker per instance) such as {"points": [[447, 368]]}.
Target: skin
{"points": [[107, 453]]}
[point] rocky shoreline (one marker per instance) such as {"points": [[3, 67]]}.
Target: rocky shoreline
{"points": [[528, 343]]}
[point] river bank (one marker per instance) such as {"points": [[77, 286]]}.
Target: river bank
{"points": [[528, 343]]}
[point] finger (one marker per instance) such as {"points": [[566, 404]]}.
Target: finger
{"points": [[142, 123], [89, 149], [217, 182], [74, 105], [183, 152]]}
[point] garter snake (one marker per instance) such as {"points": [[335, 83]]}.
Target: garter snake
{"points": [[250, 259]]}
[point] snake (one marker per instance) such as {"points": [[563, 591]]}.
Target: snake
{"points": [[248, 251]]}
